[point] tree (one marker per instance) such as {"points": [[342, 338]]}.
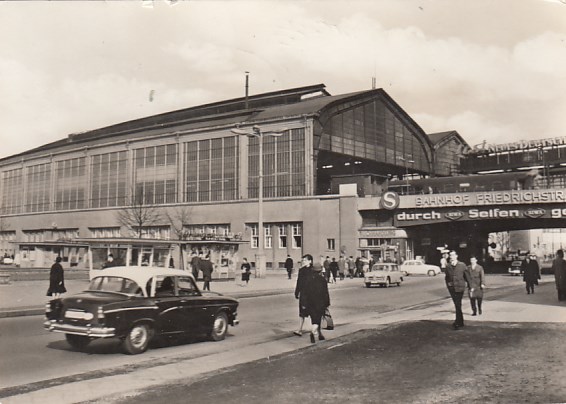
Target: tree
{"points": [[178, 217], [138, 214]]}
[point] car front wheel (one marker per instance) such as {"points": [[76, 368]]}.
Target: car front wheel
{"points": [[77, 341], [137, 340], [219, 327], [368, 285], [431, 272]]}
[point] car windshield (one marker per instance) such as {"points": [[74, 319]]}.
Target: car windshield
{"points": [[381, 267], [115, 284]]}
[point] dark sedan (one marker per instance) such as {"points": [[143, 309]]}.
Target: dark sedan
{"points": [[135, 304]]}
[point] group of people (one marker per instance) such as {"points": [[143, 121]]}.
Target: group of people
{"points": [[201, 263], [458, 278], [312, 292]]}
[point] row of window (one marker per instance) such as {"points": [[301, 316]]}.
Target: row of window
{"points": [[211, 171], [284, 233]]}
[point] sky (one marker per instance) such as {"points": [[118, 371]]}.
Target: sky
{"points": [[493, 70]]}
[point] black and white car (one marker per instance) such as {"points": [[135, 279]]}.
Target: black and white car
{"points": [[135, 304]]}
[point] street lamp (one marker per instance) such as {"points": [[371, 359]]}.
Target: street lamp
{"points": [[407, 162], [257, 132]]}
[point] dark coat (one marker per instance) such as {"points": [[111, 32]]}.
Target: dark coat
{"points": [[317, 297], [559, 269], [206, 268], [246, 270], [476, 278], [531, 271], [56, 280], [456, 277], [289, 264], [300, 289]]}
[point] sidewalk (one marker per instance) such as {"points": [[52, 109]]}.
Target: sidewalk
{"points": [[28, 298]]}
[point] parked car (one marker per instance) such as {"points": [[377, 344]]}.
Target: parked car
{"points": [[383, 274], [516, 268], [7, 260], [417, 267], [136, 304]]}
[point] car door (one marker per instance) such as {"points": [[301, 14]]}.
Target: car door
{"points": [[171, 316], [195, 306]]}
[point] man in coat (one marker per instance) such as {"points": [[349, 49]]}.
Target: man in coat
{"points": [[456, 280], [559, 269], [289, 266], [56, 280], [476, 279], [300, 290], [531, 273], [206, 268]]}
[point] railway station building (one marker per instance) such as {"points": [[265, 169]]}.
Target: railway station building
{"points": [[158, 189]]}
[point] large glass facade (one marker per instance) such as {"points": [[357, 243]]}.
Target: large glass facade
{"points": [[372, 131], [70, 184], [109, 173], [38, 185], [156, 174], [283, 165], [12, 191], [211, 170]]}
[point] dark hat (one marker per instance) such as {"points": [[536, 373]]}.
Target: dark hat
{"points": [[317, 267]]}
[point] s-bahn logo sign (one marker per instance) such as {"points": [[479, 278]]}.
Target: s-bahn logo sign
{"points": [[534, 213], [454, 215], [389, 200]]}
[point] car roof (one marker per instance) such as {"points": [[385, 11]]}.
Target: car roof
{"points": [[141, 274]]}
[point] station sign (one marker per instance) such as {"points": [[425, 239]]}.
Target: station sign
{"points": [[490, 198], [430, 216]]}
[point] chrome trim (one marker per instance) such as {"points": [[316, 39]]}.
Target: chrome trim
{"points": [[131, 308], [87, 331]]}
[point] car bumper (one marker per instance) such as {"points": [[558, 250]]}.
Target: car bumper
{"points": [[514, 272], [87, 331], [376, 281]]}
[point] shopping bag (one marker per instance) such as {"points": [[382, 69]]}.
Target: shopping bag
{"points": [[327, 322]]}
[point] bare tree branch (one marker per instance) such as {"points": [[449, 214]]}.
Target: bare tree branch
{"points": [[137, 215], [178, 217]]}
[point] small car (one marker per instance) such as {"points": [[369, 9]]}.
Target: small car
{"points": [[516, 268], [383, 274], [136, 304], [7, 260], [417, 267]]}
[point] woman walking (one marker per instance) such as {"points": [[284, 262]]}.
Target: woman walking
{"points": [[317, 300], [246, 270], [531, 273], [56, 280], [476, 284]]}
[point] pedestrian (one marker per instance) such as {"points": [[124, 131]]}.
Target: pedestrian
{"points": [[456, 283], [56, 280], [326, 268], [300, 293], [195, 265], [351, 267], [531, 273], [109, 261], [476, 285], [333, 269], [246, 270], [317, 301], [559, 269], [289, 266], [359, 267], [342, 267], [206, 268], [444, 260]]}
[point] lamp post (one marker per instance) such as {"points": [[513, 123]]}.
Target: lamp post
{"points": [[407, 162], [260, 255]]}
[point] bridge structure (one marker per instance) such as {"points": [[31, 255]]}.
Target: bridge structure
{"points": [[463, 221]]}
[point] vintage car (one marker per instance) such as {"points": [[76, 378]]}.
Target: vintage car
{"points": [[135, 304], [516, 268], [417, 267], [383, 274]]}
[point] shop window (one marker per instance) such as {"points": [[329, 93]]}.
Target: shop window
{"points": [[330, 244], [282, 236]]}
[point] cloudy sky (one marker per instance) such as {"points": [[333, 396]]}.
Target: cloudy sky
{"points": [[493, 70]]}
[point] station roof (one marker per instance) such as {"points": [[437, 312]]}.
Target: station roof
{"points": [[293, 102]]}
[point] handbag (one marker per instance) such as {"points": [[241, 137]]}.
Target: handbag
{"points": [[327, 322]]}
